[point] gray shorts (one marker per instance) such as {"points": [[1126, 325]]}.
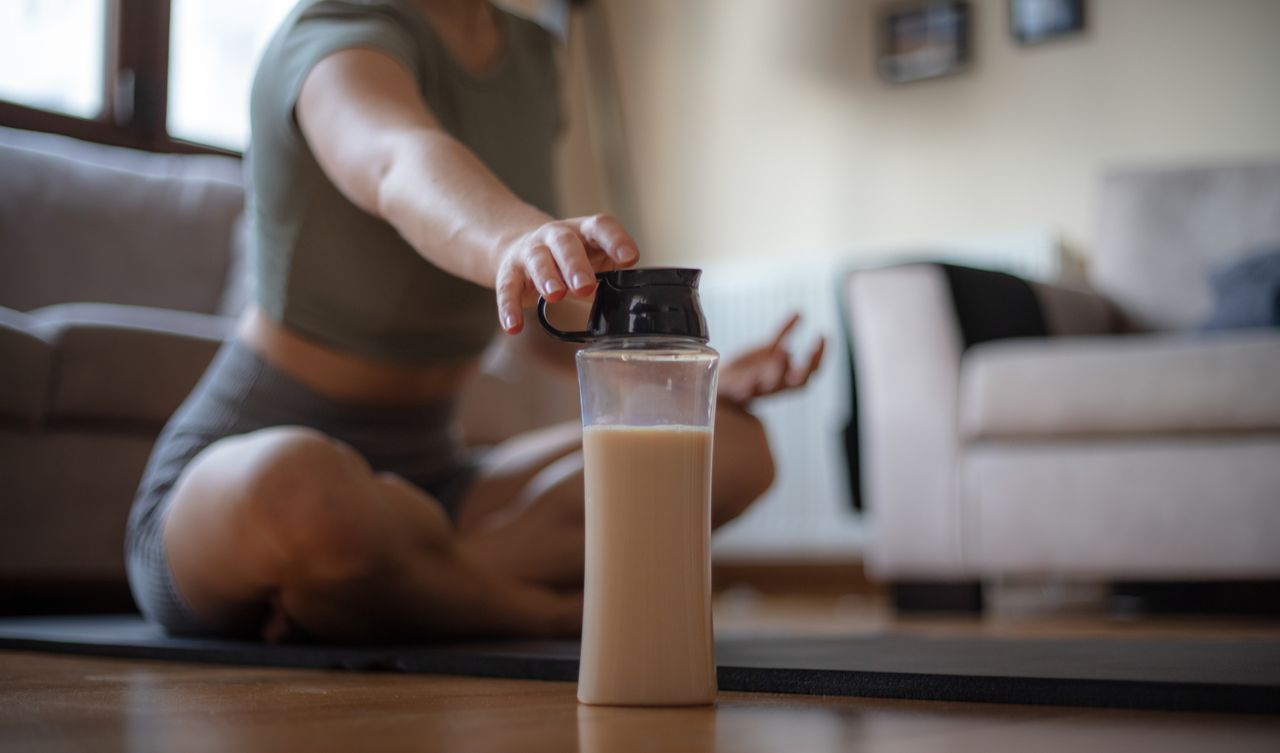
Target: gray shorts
{"points": [[241, 393]]}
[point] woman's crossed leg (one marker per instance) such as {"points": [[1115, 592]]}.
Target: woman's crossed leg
{"points": [[285, 530]]}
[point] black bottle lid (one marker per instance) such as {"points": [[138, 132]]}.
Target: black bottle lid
{"points": [[653, 302]]}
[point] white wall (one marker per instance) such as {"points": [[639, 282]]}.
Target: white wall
{"points": [[759, 127]]}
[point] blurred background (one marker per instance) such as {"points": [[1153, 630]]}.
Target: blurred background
{"points": [[765, 127], [1104, 165]]}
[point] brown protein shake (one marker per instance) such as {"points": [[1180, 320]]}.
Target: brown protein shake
{"points": [[647, 637]]}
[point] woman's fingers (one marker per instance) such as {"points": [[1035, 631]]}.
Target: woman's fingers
{"points": [[558, 258], [510, 292], [544, 273], [571, 258], [541, 613], [522, 609], [608, 235], [504, 605], [815, 358], [799, 377], [784, 330], [774, 372]]}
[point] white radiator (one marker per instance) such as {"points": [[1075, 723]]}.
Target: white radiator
{"points": [[808, 513]]}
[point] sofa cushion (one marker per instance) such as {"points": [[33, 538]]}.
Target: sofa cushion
{"points": [[1161, 230], [238, 291], [84, 222], [1123, 385], [1176, 508], [1246, 293], [1073, 311], [185, 166], [126, 363], [26, 363]]}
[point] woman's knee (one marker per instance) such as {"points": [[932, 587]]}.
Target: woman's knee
{"points": [[314, 497], [744, 469]]}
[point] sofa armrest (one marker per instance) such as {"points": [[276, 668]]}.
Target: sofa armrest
{"points": [[53, 322], [907, 346], [26, 359], [1124, 386], [126, 363]]}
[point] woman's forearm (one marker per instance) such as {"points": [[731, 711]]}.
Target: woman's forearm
{"points": [[456, 213], [450, 207], [373, 135]]}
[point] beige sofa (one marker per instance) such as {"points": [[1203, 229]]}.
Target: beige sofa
{"points": [[115, 272], [1124, 447], [120, 272]]}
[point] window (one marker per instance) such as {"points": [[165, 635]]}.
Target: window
{"points": [[53, 54], [161, 75], [214, 46]]}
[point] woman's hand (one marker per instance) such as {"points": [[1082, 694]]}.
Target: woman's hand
{"points": [[558, 258], [767, 369]]}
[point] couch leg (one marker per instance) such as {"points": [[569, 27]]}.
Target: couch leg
{"points": [[949, 596], [1259, 597]]}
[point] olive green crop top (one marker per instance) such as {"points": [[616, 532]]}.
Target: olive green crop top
{"points": [[329, 270]]}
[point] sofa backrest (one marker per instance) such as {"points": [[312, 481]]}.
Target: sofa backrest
{"points": [[1161, 231], [83, 222]]}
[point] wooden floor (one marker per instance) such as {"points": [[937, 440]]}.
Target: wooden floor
{"points": [[58, 703]]}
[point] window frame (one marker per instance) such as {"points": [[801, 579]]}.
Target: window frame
{"points": [[135, 85]]}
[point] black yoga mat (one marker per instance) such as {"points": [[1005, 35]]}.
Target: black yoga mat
{"points": [[1185, 675]]}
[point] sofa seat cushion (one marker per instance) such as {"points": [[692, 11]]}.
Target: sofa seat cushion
{"points": [[66, 499], [1122, 385], [125, 363]]}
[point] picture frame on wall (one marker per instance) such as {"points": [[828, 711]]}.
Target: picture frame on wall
{"points": [[924, 40], [1036, 21]]}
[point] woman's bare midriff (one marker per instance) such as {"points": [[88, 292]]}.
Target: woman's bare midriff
{"points": [[344, 375]]}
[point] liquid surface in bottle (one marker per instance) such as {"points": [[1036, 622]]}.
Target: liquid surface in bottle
{"points": [[647, 636]]}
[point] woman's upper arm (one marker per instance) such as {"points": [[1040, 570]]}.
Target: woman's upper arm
{"points": [[355, 108]]}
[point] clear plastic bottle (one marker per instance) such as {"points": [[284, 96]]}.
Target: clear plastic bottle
{"points": [[648, 408], [648, 387]]}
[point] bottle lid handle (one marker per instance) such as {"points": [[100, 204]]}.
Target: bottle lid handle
{"points": [[580, 336]]}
